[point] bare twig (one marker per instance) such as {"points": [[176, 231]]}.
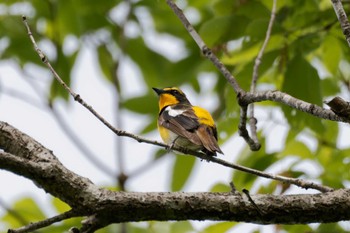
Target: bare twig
{"points": [[253, 144], [204, 48], [244, 98], [234, 189], [41, 224], [343, 19], [252, 120], [246, 192], [243, 132], [257, 63], [298, 182], [77, 97]]}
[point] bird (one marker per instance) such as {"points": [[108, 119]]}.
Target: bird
{"points": [[184, 125]]}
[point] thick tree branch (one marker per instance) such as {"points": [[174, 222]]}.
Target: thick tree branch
{"points": [[26, 157]]}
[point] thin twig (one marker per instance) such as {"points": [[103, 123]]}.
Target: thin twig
{"points": [[246, 192], [253, 144], [234, 189], [298, 182], [258, 59], [41, 224], [342, 18], [243, 132], [252, 120], [204, 48], [77, 97]]}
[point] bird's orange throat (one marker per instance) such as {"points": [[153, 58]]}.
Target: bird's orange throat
{"points": [[166, 99]]}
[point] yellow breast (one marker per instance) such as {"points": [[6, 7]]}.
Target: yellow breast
{"points": [[167, 136]]}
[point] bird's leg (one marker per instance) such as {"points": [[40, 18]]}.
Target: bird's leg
{"points": [[171, 145]]}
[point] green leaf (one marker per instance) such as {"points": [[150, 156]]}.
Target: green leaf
{"points": [[257, 28], [227, 127], [219, 227], [331, 53], [294, 147], [222, 7], [107, 63], [159, 154], [146, 104], [154, 67], [249, 51], [220, 187], [330, 227], [181, 227], [158, 227], [81, 16], [244, 70], [259, 160], [330, 133], [297, 228], [253, 10], [335, 171], [329, 87], [60, 206], [182, 170], [305, 44], [20, 48], [219, 30], [152, 125], [28, 211], [302, 81]]}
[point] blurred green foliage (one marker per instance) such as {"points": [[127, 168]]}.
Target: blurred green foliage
{"points": [[303, 58]]}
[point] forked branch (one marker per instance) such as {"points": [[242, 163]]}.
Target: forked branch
{"points": [[297, 182]]}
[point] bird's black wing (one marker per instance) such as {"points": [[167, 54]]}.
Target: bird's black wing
{"points": [[184, 123]]}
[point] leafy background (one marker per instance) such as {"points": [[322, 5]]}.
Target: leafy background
{"points": [[136, 45]]}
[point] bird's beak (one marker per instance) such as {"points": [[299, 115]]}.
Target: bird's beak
{"points": [[158, 91]]}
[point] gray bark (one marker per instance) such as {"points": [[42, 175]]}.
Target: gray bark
{"points": [[24, 156]]}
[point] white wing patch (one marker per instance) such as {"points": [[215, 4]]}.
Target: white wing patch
{"points": [[174, 112]]}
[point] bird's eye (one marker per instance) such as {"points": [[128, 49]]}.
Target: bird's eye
{"points": [[175, 92]]}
